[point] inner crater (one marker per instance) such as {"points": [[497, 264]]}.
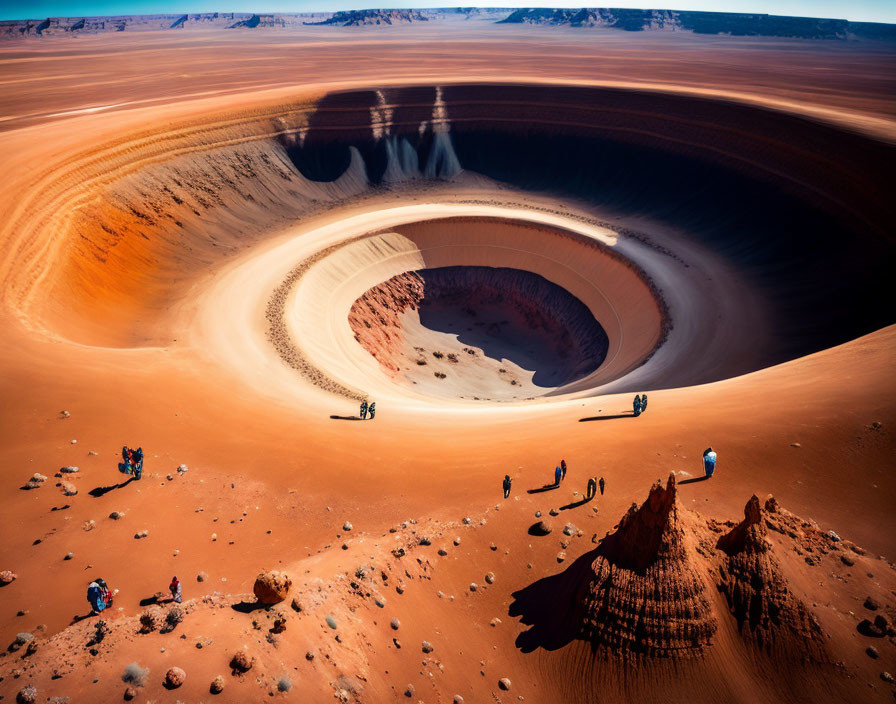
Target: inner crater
{"points": [[478, 332]]}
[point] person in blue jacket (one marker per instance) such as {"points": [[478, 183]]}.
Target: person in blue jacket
{"points": [[709, 461]]}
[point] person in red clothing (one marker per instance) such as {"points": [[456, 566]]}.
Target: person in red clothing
{"points": [[176, 593]]}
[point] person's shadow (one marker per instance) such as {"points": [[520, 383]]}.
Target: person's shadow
{"points": [[691, 481], [345, 418], [576, 504], [546, 487], [613, 417], [103, 490]]}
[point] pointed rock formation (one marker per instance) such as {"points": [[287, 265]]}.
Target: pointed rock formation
{"points": [[645, 595], [757, 593]]}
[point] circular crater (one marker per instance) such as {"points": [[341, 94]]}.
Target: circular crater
{"points": [[478, 332], [472, 308]]}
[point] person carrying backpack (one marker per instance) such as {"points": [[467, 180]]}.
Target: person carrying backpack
{"points": [[506, 485], [709, 462]]}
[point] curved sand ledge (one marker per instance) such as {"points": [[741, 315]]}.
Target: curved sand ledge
{"points": [[330, 277]]}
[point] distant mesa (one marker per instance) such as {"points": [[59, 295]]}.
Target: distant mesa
{"points": [[730, 23], [357, 18], [630, 20]]}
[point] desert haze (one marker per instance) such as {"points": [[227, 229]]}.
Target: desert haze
{"points": [[223, 239]]}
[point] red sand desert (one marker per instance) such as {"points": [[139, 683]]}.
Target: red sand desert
{"points": [[215, 244]]}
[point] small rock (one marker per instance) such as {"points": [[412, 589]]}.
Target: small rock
{"points": [[495, 622], [141, 534], [542, 528], [296, 605], [331, 621], [561, 556], [7, 577], [846, 560], [569, 529], [886, 676], [395, 624], [182, 469], [409, 691], [175, 677], [242, 661], [443, 552], [492, 547], [490, 577], [201, 577], [217, 685], [130, 693], [27, 695], [65, 414], [169, 477], [538, 514], [833, 536], [872, 652], [427, 647], [473, 586], [68, 556], [467, 521], [425, 541], [871, 604], [380, 601], [214, 537], [504, 683], [116, 515], [795, 444], [69, 470], [68, 489], [554, 512], [457, 699], [457, 541], [346, 526]]}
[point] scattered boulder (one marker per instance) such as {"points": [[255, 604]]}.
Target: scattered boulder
{"points": [[847, 560], [27, 695], [554, 512], [541, 528], [141, 534], [272, 587], [68, 489], [116, 515], [175, 677], [409, 691], [561, 556], [279, 624], [68, 556], [346, 526], [833, 536], [182, 469], [569, 529], [473, 586], [174, 616], [201, 577], [395, 624], [7, 577], [871, 651], [20, 640], [331, 621], [130, 693], [490, 577], [242, 662], [871, 604], [504, 683], [37, 480], [296, 605], [877, 629], [427, 647], [217, 685], [69, 470], [886, 676], [425, 541]]}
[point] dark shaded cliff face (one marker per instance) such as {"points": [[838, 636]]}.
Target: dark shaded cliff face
{"points": [[800, 209]]}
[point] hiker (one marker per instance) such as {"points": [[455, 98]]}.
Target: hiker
{"points": [[107, 593], [95, 597], [636, 405], [558, 475], [601, 485], [364, 410], [709, 461], [138, 463], [592, 488], [506, 485], [563, 469], [175, 589], [643, 403], [372, 410]]}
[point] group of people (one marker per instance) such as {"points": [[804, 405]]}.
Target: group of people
{"points": [[639, 405], [99, 596], [559, 476], [133, 462], [368, 409]]}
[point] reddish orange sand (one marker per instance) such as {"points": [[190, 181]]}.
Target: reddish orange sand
{"points": [[275, 479]]}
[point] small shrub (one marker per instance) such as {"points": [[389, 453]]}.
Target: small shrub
{"points": [[135, 675]]}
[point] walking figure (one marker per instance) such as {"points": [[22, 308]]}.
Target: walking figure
{"points": [[592, 489], [372, 410], [175, 589], [507, 481], [636, 405], [709, 461], [643, 403], [364, 410], [563, 469], [601, 485], [558, 475]]}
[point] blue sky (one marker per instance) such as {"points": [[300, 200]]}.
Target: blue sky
{"points": [[857, 10]]}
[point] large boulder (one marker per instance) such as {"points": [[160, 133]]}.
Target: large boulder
{"points": [[175, 677], [272, 587], [7, 577]]}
